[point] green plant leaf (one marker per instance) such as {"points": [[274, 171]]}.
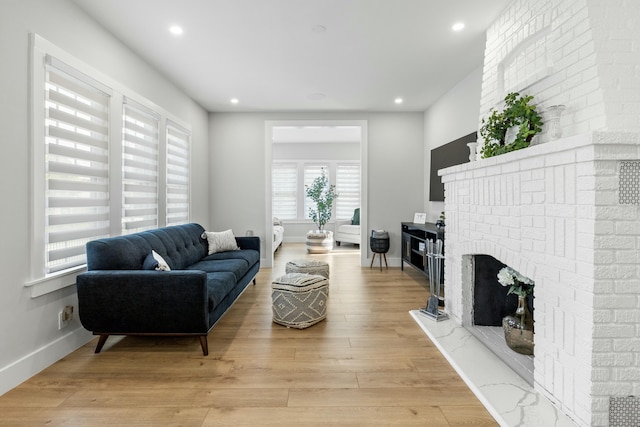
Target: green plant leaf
{"points": [[517, 112]]}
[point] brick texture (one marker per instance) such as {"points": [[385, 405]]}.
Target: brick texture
{"points": [[553, 211]]}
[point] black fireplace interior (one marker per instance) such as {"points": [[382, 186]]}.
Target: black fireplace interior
{"points": [[490, 300]]}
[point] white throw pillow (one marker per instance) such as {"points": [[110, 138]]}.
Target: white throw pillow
{"points": [[221, 241], [162, 264]]}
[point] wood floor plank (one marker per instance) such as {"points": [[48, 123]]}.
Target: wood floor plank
{"points": [[176, 397], [450, 395], [353, 416], [368, 363], [105, 417]]}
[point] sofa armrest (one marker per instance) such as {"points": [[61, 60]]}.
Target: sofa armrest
{"points": [[249, 242], [143, 301]]}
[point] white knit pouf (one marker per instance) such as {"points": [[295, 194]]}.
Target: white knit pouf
{"points": [[308, 266], [299, 300]]}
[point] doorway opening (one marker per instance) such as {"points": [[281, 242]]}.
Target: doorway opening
{"points": [[295, 151]]}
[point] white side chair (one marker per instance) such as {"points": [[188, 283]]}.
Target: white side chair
{"points": [[348, 230]]}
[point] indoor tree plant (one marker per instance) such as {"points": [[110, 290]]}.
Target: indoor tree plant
{"points": [[520, 116], [322, 194]]}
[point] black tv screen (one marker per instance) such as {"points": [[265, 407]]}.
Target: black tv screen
{"points": [[451, 154]]}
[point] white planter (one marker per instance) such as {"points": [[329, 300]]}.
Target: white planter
{"points": [[319, 241]]}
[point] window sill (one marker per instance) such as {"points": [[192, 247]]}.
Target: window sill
{"points": [[54, 282]]}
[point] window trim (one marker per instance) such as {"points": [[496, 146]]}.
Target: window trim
{"points": [[40, 48]]}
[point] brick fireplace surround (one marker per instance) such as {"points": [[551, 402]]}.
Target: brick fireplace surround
{"points": [[564, 212], [552, 213]]}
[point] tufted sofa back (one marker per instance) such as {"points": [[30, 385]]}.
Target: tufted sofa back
{"points": [[180, 245]]}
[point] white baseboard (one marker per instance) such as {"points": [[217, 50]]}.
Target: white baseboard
{"points": [[24, 368]]}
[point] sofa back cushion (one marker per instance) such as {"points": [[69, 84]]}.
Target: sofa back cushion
{"points": [[180, 246]]}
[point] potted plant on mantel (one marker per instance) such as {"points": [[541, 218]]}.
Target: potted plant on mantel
{"points": [[323, 195], [512, 128]]}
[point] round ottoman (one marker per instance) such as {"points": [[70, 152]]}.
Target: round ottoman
{"points": [[308, 266], [299, 300]]}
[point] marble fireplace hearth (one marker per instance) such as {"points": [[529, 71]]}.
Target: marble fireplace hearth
{"points": [[510, 400]]}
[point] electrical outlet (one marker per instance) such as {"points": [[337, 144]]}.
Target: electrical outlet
{"points": [[65, 317]]}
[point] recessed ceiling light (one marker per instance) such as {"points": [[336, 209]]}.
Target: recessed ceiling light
{"points": [[319, 29], [176, 30], [398, 100], [458, 26], [234, 100]]}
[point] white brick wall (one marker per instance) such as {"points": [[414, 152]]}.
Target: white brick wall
{"points": [[583, 54], [551, 212]]}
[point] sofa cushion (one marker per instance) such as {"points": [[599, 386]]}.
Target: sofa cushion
{"points": [[219, 284], [238, 267], [180, 246], [220, 241], [349, 229], [355, 220], [154, 261], [249, 255]]}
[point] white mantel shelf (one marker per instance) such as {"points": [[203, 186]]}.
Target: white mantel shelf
{"points": [[592, 146]]}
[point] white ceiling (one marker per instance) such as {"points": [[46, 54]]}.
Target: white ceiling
{"points": [[270, 55]]}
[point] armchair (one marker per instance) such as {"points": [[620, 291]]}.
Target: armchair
{"points": [[348, 230]]}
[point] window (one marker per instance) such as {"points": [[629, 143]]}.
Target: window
{"points": [[348, 188], [139, 168], [285, 188], [289, 181], [76, 166], [177, 174], [105, 162]]}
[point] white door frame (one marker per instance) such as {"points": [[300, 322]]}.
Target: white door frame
{"points": [[268, 140]]}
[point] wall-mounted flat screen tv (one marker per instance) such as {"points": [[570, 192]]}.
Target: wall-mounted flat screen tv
{"points": [[450, 154]]}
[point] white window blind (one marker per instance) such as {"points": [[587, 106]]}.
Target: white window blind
{"points": [[177, 174], [348, 187], [284, 185], [311, 172], [76, 166], [139, 168]]}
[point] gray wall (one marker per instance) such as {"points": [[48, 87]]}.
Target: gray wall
{"points": [[28, 326], [451, 117], [395, 167]]}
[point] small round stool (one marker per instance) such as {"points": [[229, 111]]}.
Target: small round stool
{"points": [[308, 266], [299, 300], [379, 244]]}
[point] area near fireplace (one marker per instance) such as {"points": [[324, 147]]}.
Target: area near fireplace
{"points": [[554, 212], [564, 212]]}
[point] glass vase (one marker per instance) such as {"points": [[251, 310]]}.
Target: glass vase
{"points": [[555, 113], [518, 328]]}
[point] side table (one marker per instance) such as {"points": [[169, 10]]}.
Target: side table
{"points": [[379, 244]]}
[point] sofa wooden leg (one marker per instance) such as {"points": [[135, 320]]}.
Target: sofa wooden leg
{"points": [[254, 281], [101, 341], [204, 344]]}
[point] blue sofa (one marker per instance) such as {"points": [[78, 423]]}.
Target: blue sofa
{"points": [[116, 296]]}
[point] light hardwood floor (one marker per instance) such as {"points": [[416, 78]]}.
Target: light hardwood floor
{"points": [[367, 364]]}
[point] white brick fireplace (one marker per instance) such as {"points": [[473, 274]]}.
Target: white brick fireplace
{"points": [[552, 212], [566, 212]]}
